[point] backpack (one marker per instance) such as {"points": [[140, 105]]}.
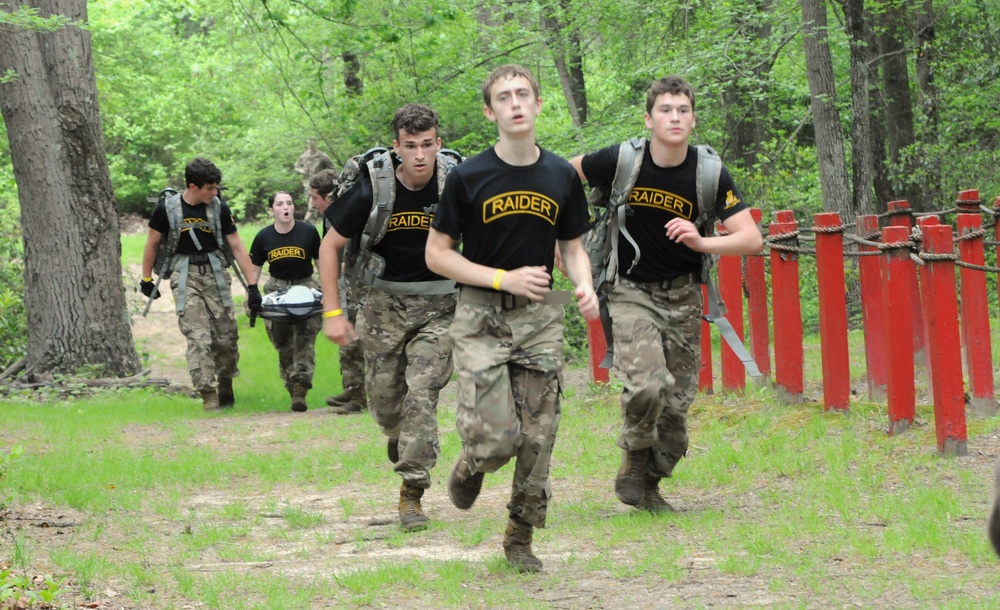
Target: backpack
{"points": [[361, 264], [601, 244], [165, 260], [167, 248]]}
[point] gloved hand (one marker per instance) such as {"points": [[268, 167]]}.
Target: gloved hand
{"points": [[253, 297], [147, 288]]}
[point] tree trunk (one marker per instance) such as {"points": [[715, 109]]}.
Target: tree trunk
{"points": [[862, 158], [826, 117], [74, 296], [746, 98], [567, 52], [931, 183], [884, 192], [899, 103]]}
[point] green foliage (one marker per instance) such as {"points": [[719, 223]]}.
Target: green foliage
{"points": [[13, 318]]}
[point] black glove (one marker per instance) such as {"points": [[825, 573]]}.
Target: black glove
{"points": [[147, 288], [253, 297]]}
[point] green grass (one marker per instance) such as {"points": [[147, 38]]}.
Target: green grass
{"points": [[259, 508]]}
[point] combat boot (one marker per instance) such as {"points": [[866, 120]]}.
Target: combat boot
{"points": [[226, 397], [349, 393], [356, 404], [463, 488], [298, 393], [411, 516], [651, 500], [210, 401], [630, 482], [517, 546]]}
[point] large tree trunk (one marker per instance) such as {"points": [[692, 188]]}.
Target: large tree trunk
{"points": [[74, 296], [826, 117], [862, 159]]}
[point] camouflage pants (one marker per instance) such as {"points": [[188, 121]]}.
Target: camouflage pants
{"points": [[657, 335], [209, 327], [352, 359], [408, 352], [296, 343], [508, 365]]}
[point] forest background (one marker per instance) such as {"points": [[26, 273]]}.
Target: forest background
{"points": [[837, 105]]}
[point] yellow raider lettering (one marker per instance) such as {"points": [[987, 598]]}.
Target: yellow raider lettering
{"points": [[662, 200], [198, 223], [409, 220], [286, 252], [520, 202]]}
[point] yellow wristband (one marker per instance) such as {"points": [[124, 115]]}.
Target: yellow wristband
{"points": [[147, 279], [333, 313], [497, 278]]}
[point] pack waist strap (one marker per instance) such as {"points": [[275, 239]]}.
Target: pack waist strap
{"points": [[430, 288], [676, 282], [507, 301]]}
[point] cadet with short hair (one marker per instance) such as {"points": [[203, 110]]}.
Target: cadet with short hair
{"points": [[406, 309], [353, 399], [289, 247], [510, 205], [200, 282], [656, 306]]}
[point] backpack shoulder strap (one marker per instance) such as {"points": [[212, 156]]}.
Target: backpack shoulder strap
{"points": [[214, 212], [630, 155], [175, 218], [383, 177], [707, 183]]}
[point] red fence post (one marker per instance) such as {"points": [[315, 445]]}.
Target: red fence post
{"points": [[900, 216], [734, 376], [944, 351], [975, 309], [760, 337], [872, 309], [788, 351], [926, 299], [832, 311], [597, 346], [898, 276], [705, 372]]}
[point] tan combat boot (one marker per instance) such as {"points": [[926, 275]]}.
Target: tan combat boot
{"points": [[517, 546], [298, 393], [356, 404], [411, 516], [210, 401], [651, 500], [630, 482]]}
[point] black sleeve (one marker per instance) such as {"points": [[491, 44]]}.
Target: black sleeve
{"points": [[257, 255], [599, 166], [349, 214], [447, 218], [159, 221], [728, 200], [314, 241], [226, 219]]}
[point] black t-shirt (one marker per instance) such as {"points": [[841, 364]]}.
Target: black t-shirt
{"points": [[289, 256], [191, 214], [406, 236], [511, 216], [660, 193]]}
